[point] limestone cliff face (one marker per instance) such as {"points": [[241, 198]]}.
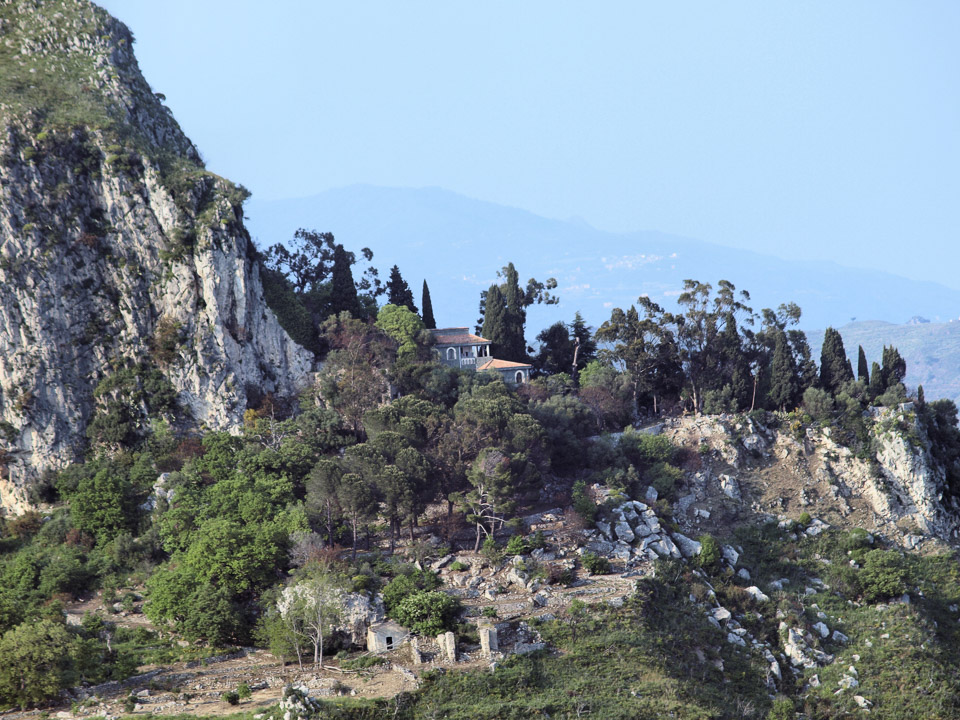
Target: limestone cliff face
{"points": [[117, 249], [899, 490]]}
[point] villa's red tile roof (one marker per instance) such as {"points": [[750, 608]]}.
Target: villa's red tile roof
{"points": [[456, 336], [494, 364]]}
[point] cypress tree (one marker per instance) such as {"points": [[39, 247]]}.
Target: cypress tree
{"points": [[876, 381], [343, 291], [921, 401], [398, 292], [894, 367], [427, 304], [835, 369], [862, 372], [580, 331], [741, 384], [513, 345], [784, 385], [734, 369], [495, 320]]}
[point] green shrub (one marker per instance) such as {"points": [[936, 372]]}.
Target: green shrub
{"points": [[664, 478], [517, 545], [361, 583], [883, 575], [230, 697], [804, 519], [427, 613], [782, 709], [818, 404], [491, 551], [489, 612], [458, 566], [130, 704], [537, 541], [583, 504], [404, 585], [596, 564], [243, 691], [644, 450], [709, 551]]}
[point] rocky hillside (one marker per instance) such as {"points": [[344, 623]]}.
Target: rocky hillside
{"points": [[129, 288], [746, 467]]}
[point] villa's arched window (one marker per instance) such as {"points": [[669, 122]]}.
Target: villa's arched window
{"points": [[451, 353], [519, 377]]}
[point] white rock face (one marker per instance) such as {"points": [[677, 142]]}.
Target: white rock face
{"points": [[100, 249]]}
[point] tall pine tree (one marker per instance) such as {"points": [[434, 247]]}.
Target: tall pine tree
{"points": [[398, 292], [835, 368], [427, 304], [863, 371]]}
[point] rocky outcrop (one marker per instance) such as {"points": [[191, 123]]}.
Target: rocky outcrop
{"points": [[118, 253], [898, 489]]}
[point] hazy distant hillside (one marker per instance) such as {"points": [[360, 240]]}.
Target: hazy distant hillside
{"points": [[458, 244], [932, 352]]}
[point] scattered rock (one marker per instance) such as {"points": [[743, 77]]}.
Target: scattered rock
{"points": [[730, 554], [730, 487], [689, 548], [625, 532], [735, 639], [756, 593], [721, 614], [848, 683]]}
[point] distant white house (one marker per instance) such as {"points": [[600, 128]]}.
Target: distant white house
{"points": [[459, 348]]}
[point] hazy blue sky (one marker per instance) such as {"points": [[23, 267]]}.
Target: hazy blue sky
{"points": [[801, 129]]}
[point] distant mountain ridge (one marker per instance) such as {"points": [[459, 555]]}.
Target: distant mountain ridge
{"points": [[458, 244]]}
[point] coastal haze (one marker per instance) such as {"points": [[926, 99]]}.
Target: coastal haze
{"points": [[237, 481], [458, 244]]}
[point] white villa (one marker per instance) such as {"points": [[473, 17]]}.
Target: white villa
{"points": [[459, 348]]}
